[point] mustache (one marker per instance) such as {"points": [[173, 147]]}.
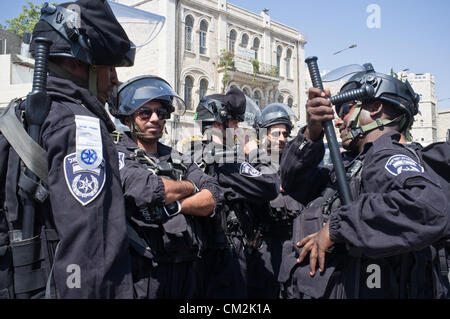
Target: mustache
{"points": [[147, 126]]}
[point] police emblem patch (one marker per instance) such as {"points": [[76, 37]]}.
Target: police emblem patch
{"points": [[248, 170], [398, 164], [121, 160], [84, 184]]}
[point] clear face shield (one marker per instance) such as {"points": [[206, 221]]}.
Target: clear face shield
{"points": [[344, 73], [141, 27], [133, 95], [252, 113], [276, 111]]}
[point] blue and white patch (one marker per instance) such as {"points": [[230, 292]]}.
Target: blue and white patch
{"points": [[398, 164], [84, 184], [88, 142], [121, 160], [247, 170]]}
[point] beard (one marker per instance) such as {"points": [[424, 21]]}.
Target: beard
{"points": [[149, 136]]}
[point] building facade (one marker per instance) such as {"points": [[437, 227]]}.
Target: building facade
{"points": [[17, 70], [425, 127], [210, 46], [443, 125]]}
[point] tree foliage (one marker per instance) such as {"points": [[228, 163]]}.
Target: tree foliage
{"points": [[25, 21]]}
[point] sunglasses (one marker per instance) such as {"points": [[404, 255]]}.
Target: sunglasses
{"points": [[145, 113], [277, 134], [345, 108]]}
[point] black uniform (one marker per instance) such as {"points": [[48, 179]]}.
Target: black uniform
{"points": [[85, 207], [164, 255], [382, 240], [234, 236], [276, 229]]}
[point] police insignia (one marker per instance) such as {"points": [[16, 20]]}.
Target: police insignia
{"points": [[121, 160], [398, 164], [84, 184], [248, 170]]}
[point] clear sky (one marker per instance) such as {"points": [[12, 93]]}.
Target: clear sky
{"points": [[412, 34]]}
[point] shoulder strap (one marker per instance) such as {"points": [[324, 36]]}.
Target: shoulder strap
{"points": [[414, 152], [31, 153]]}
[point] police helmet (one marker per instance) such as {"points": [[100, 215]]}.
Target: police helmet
{"points": [[277, 113], [86, 30], [222, 107], [134, 93], [389, 89]]}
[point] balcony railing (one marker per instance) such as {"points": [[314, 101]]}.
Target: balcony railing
{"points": [[246, 65]]}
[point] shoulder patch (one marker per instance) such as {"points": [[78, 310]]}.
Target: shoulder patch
{"points": [[88, 142], [121, 160], [247, 170], [399, 163], [84, 184]]}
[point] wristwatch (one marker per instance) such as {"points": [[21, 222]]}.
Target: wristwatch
{"points": [[172, 209], [196, 190]]}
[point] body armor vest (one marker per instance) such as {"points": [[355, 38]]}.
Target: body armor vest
{"points": [[156, 236]]}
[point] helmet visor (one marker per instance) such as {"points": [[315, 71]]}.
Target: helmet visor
{"points": [[137, 93], [344, 73], [277, 112], [252, 112], [140, 26]]}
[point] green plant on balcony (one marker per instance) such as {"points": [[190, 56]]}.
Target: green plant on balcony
{"points": [[274, 71], [226, 61], [255, 64]]}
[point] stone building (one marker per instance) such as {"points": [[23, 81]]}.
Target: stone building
{"points": [[443, 125], [17, 69], [209, 46]]}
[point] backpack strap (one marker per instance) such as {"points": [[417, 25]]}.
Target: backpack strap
{"points": [[31, 153]]}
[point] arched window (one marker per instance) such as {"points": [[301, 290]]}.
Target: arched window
{"points": [[256, 47], [257, 98], [188, 85], [232, 40], [203, 88], [189, 24], [245, 90], [290, 102], [279, 52], [288, 63], [280, 98], [244, 40], [202, 34]]}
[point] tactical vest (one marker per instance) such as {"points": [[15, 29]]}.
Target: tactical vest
{"points": [[172, 240], [25, 264], [282, 211], [234, 221], [295, 281], [443, 245]]}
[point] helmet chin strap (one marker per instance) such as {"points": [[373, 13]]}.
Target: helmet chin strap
{"points": [[93, 78], [146, 137], [357, 131], [91, 84]]}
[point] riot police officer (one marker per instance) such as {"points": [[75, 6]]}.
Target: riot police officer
{"points": [[248, 182], [79, 240], [163, 192], [277, 119], [379, 246]]}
